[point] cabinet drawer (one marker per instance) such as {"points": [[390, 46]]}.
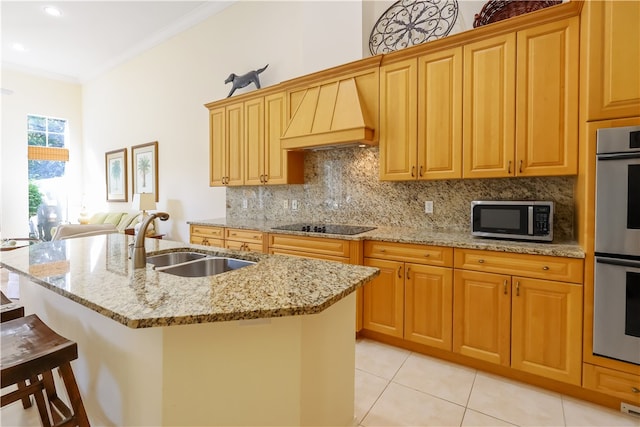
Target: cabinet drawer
{"points": [[535, 266], [316, 245], [243, 246], [206, 241], [622, 385], [240, 235], [420, 254], [204, 231]]}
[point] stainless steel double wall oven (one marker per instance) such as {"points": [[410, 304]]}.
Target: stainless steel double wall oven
{"points": [[616, 331]]}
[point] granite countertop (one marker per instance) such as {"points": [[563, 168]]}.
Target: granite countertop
{"points": [[96, 272], [448, 238]]}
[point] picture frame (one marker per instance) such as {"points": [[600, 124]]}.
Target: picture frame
{"points": [[116, 175], [144, 168]]}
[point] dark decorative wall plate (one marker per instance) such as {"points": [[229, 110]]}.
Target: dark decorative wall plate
{"points": [[411, 22], [497, 10]]}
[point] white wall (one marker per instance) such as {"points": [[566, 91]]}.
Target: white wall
{"points": [[159, 95], [34, 95]]}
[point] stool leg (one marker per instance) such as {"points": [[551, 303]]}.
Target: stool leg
{"points": [[70, 384], [59, 410], [40, 403], [26, 401]]}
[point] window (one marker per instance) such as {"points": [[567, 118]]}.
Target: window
{"points": [[46, 140]]}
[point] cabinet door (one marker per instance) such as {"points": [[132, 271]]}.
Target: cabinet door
{"points": [[547, 99], [275, 161], [398, 121], [235, 143], [217, 147], [384, 298], [428, 305], [611, 46], [546, 337], [254, 141], [440, 115], [482, 315], [489, 107]]}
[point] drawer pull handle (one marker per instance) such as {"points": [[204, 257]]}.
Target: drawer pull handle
{"points": [[545, 268], [480, 261], [520, 166], [400, 272], [509, 167], [421, 174], [427, 255], [505, 287], [383, 250], [408, 271], [635, 389], [517, 289], [413, 171]]}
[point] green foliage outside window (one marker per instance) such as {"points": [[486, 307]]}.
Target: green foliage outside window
{"points": [[35, 198]]}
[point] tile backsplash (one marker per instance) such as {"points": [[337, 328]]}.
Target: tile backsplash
{"points": [[342, 186]]}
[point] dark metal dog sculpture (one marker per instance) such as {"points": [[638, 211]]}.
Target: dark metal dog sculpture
{"points": [[244, 80]]}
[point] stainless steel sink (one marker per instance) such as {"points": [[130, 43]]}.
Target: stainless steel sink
{"points": [[207, 266], [173, 258]]}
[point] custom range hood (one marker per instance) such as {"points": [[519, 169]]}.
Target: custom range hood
{"points": [[334, 113]]}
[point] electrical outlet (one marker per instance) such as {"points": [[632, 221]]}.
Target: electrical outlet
{"points": [[245, 204], [630, 409], [294, 205], [428, 207], [285, 204]]}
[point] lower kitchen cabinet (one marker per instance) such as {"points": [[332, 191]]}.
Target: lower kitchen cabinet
{"points": [[206, 235], [533, 325], [345, 251], [622, 385], [410, 300], [244, 240]]}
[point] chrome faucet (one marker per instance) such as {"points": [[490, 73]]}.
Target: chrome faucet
{"points": [[139, 255]]}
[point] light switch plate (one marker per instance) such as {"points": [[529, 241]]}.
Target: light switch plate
{"points": [[428, 207]]}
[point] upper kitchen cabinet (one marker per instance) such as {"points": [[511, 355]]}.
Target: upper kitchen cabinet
{"points": [[265, 160], [611, 57], [226, 133], [521, 103], [337, 106], [420, 117], [245, 145]]}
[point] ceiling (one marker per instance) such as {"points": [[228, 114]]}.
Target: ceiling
{"points": [[91, 37]]}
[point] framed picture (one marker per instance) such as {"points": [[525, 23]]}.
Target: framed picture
{"points": [[144, 168], [116, 174]]}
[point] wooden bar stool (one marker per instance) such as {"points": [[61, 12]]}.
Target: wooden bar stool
{"points": [[9, 310], [30, 352]]}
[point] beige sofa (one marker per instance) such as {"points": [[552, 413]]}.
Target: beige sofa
{"points": [[101, 223]]}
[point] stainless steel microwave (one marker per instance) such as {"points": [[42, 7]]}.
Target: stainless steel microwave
{"points": [[516, 220]]}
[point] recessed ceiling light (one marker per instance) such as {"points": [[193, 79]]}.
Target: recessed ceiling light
{"points": [[53, 11], [19, 47]]}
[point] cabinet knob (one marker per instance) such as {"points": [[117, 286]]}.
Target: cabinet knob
{"points": [[427, 255], [481, 261], [635, 390], [545, 268], [383, 250]]}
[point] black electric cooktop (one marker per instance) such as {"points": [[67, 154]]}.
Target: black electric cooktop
{"points": [[325, 228]]}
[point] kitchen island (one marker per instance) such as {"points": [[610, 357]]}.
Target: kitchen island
{"points": [[268, 344]]}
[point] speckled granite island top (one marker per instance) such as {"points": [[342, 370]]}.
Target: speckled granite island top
{"points": [[455, 239], [96, 273]]}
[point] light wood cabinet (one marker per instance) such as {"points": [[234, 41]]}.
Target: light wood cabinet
{"points": [[521, 103], [266, 162], [226, 131], [412, 296], [245, 143], [244, 240], [421, 117], [610, 49], [622, 385], [345, 251], [206, 235], [530, 324]]}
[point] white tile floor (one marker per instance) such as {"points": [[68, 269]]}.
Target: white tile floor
{"points": [[395, 387]]}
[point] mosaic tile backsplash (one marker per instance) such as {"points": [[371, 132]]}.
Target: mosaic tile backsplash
{"points": [[342, 186]]}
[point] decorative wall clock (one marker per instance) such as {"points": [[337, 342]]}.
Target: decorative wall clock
{"points": [[411, 22]]}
